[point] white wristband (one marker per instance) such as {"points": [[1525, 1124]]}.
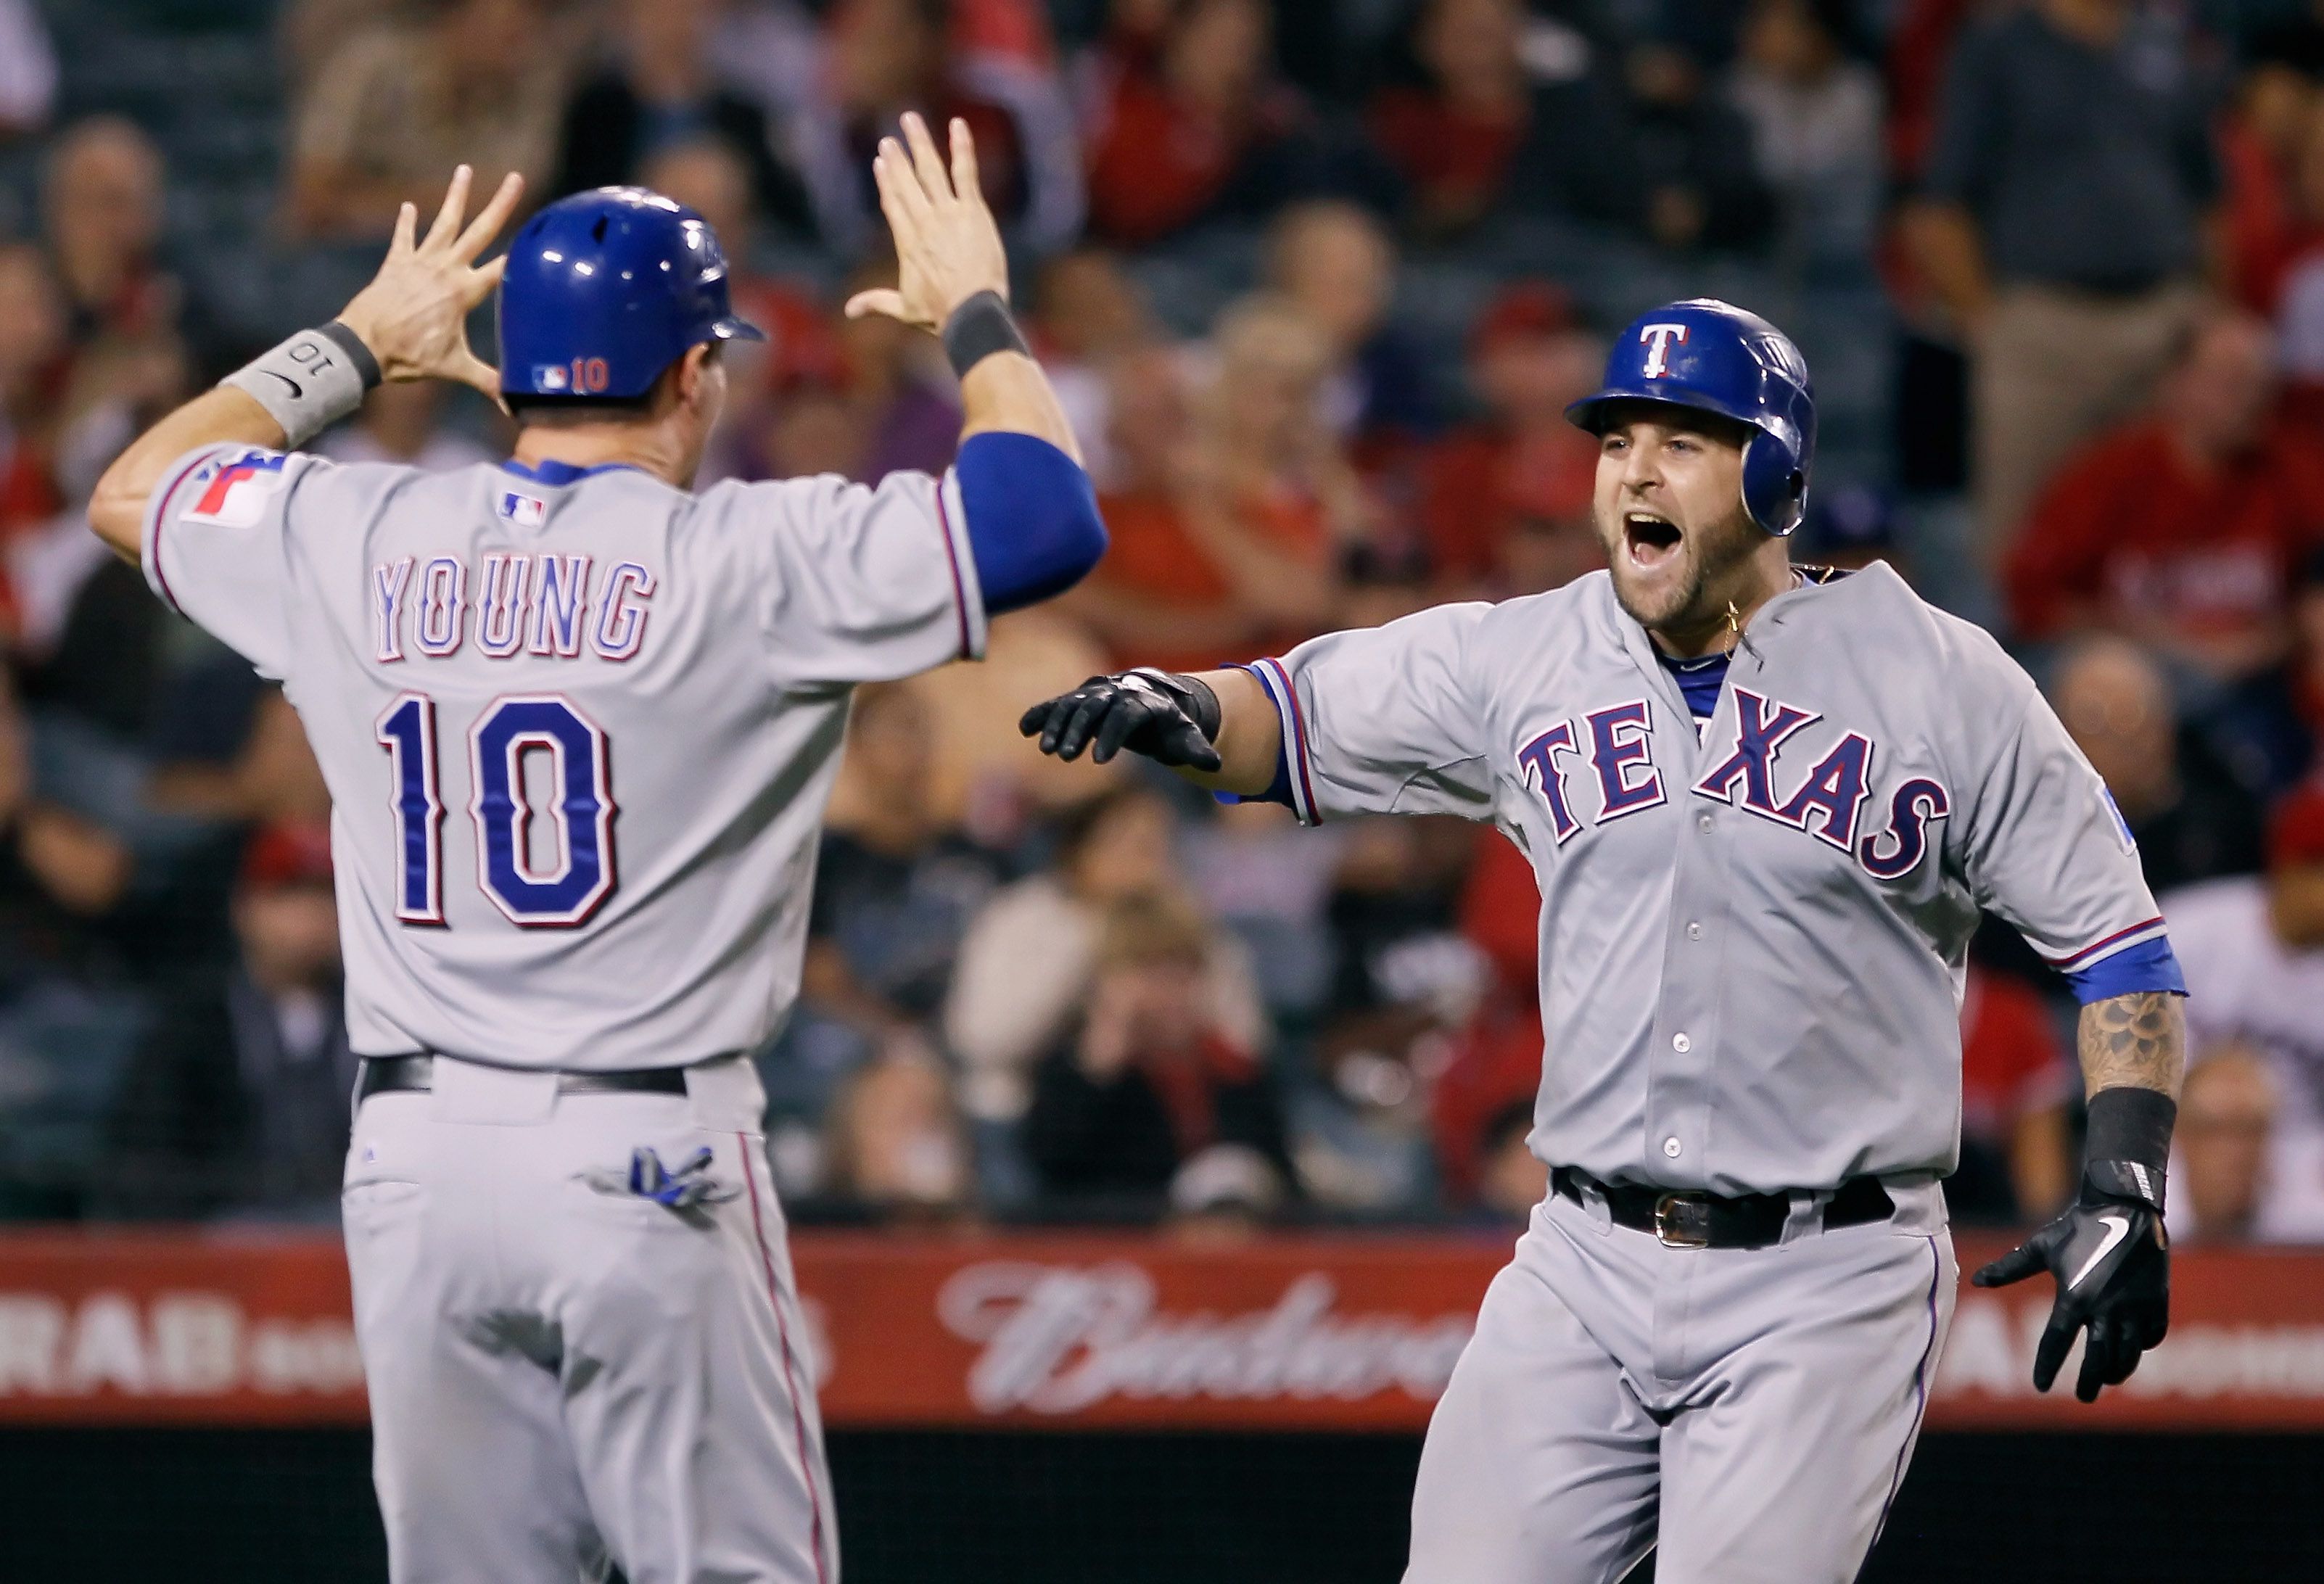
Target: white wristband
{"points": [[309, 382]]}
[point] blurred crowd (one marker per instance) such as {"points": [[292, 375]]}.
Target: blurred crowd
{"points": [[1316, 283]]}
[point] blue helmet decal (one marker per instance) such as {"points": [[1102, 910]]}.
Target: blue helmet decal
{"points": [[1714, 357], [604, 290]]}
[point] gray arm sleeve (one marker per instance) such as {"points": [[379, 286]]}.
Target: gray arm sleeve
{"points": [[2044, 846], [1383, 720]]}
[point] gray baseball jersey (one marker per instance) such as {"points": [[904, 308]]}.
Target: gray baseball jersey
{"points": [[1751, 945], [579, 726]]}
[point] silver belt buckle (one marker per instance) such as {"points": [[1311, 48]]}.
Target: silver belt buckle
{"points": [[1683, 1220]]}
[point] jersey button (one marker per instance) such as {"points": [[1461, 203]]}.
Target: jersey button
{"points": [[1670, 1148], [1702, 822], [1694, 931], [1682, 1045]]}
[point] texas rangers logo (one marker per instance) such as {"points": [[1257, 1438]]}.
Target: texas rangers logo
{"points": [[236, 491], [1658, 339]]}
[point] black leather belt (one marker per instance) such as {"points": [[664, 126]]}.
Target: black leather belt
{"points": [[1683, 1220], [416, 1075]]}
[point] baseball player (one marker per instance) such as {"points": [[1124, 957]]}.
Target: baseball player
{"points": [[1764, 805], [578, 724]]}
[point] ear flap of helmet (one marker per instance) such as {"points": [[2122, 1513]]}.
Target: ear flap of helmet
{"points": [[1775, 486]]}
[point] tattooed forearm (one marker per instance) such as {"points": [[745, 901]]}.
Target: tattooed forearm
{"points": [[2135, 1041]]}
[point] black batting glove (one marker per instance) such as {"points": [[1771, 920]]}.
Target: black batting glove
{"points": [[2112, 1262], [1168, 718]]}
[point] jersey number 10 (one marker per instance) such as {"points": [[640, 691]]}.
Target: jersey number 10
{"points": [[558, 896]]}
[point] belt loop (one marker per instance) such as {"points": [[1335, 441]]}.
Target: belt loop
{"points": [[1805, 1216]]}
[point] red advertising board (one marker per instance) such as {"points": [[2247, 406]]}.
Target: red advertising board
{"points": [[1068, 1331]]}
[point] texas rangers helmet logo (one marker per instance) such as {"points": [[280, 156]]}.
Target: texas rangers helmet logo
{"points": [[1658, 339]]}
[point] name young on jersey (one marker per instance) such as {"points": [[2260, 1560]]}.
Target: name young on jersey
{"points": [[1835, 801], [510, 603]]}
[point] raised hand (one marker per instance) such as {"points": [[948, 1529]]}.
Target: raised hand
{"points": [[948, 245], [413, 316]]}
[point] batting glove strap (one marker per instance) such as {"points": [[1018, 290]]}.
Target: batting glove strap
{"points": [[2123, 1182]]}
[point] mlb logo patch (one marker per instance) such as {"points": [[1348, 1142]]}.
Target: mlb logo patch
{"points": [[524, 510], [2121, 826], [552, 378], [236, 490]]}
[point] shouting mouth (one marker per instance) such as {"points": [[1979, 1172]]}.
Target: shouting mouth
{"points": [[1649, 540]]}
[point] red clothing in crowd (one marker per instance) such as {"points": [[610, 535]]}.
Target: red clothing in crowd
{"points": [[2132, 533], [2013, 1063], [1496, 1063], [1450, 156], [1477, 480], [1155, 556]]}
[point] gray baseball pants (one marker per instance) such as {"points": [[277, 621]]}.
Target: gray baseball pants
{"points": [[565, 1374], [1748, 1412]]}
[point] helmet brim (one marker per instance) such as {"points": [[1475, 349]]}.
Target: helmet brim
{"points": [[732, 328], [1589, 412]]}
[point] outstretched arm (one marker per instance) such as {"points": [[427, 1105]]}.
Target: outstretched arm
{"points": [[408, 324], [1218, 729]]}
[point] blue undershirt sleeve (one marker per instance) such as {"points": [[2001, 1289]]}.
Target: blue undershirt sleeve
{"points": [[1033, 522]]}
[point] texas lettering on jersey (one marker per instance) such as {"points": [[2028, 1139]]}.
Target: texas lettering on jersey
{"points": [[510, 602], [1615, 747]]}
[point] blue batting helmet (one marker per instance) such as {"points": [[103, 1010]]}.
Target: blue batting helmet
{"points": [[604, 290], [1714, 357]]}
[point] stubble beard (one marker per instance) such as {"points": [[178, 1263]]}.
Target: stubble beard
{"points": [[1709, 562]]}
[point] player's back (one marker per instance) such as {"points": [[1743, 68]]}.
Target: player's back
{"points": [[578, 728]]}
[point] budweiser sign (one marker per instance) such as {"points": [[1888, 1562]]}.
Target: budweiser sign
{"points": [[1062, 1339]]}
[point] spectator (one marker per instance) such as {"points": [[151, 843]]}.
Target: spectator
{"points": [[1148, 1099], [2193, 820], [33, 340], [1454, 133], [1694, 179], [1271, 496], [132, 323], [479, 82], [895, 887], [61, 871], [897, 1148], [1231, 507], [2183, 530], [883, 57], [1491, 1074], [2253, 952], [398, 424], [2262, 144], [660, 90], [1089, 316], [895, 381], [2062, 223], [1192, 124], [2017, 1162], [236, 1103], [102, 214], [1025, 964], [2299, 283], [2226, 1122], [1816, 120], [28, 69], [1336, 264], [1852, 526], [1521, 468]]}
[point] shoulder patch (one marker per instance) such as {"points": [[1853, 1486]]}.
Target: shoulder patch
{"points": [[235, 488]]}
